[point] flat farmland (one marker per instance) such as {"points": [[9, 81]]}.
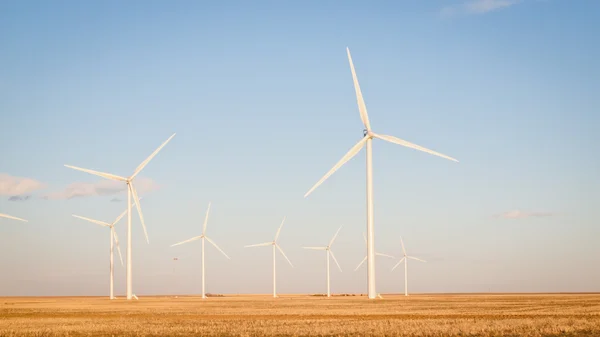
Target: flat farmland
{"points": [[297, 315]]}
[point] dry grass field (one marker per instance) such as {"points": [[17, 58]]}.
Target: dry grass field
{"points": [[417, 315]]}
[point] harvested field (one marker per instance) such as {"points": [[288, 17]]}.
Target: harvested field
{"points": [[296, 315]]}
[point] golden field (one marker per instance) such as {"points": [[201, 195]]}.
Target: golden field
{"points": [[296, 315]]}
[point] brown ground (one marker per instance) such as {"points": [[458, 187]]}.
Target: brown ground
{"points": [[416, 315]]}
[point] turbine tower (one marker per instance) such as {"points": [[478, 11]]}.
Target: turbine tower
{"points": [[203, 237], [113, 238], [405, 259], [329, 253], [275, 246], [376, 254], [130, 192], [11, 217], [368, 136]]}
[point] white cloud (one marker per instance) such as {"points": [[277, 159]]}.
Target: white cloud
{"points": [[518, 214], [478, 7], [103, 187], [11, 185]]}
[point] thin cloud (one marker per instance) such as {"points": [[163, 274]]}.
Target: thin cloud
{"points": [[15, 186], [102, 188], [19, 198], [476, 7], [518, 214], [115, 200]]}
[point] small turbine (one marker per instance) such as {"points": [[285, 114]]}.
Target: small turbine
{"points": [[405, 260], [203, 237], [113, 238], [275, 246], [329, 253]]}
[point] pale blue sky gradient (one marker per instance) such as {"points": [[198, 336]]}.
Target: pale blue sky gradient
{"points": [[260, 95]]}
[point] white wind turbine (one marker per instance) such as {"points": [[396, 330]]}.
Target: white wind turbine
{"points": [[376, 254], [405, 259], [130, 191], [203, 236], [11, 217], [329, 252], [275, 246], [368, 136], [113, 237]]}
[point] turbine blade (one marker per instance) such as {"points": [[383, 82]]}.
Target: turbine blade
{"points": [[139, 208], [403, 250], [335, 260], [359, 97], [11, 217], [260, 244], [188, 240], [206, 219], [399, 262], [335, 236], [279, 229], [282, 253], [145, 162], [361, 263], [316, 248], [101, 223], [365, 237], [353, 151], [124, 212], [101, 174], [414, 258], [399, 141], [381, 254], [214, 244], [117, 242]]}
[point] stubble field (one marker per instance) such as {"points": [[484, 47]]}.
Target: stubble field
{"points": [[294, 315]]}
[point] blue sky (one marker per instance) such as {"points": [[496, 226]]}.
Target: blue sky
{"points": [[260, 95]]}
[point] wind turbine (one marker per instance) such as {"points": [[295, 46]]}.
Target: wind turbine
{"points": [[329, 252], [203, 236], [11, 217], [376, 254], [130, 191], [368, 136], [113, 237], [275, 246], [405, 259]]}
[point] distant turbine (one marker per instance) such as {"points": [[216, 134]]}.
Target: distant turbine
{"points": [[130, 190], [405, 259], [376, 254], [113, 237], [329, 252], [203, 236], [275, 245], [368, 136], [11, 217]]}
